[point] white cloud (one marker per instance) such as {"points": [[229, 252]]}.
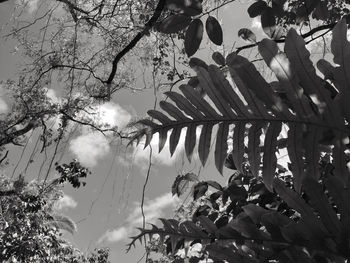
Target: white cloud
{"points": [[89, 148], [65, 202], [114, 115], [153, 210], [115, 235]]}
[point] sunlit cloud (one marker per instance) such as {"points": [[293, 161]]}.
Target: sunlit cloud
{"points": [[89, 148], [65, 202], [112, 114], [153, 209], [116, 235], [92, 146]]}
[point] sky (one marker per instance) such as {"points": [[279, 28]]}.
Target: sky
{"points": [[107, 210]]}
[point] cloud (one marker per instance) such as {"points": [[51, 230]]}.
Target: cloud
{"points": [[65, 203], [115, 235], [114, 115], [89, 148], [153, 210]]}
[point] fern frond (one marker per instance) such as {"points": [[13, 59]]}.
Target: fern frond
{"points": [[245, 100]]}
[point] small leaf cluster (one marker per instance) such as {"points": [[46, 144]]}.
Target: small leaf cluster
{"points": [[185, 15], [72, 172]]}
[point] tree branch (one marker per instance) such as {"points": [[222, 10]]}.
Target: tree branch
{"points": [[135, 40], [308, 34]]}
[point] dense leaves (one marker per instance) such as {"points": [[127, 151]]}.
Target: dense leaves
{"points": [[30, 226]]}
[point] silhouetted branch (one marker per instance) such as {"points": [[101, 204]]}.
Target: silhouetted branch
{"points": [[308, 34]]}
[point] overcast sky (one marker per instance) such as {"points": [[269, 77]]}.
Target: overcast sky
{"points": [[107, 210]]}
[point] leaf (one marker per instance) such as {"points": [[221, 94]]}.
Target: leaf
{"points": [[194, 97], [204, 143], [190, 141], [214, 30], [163, 135], [255, 212], [189, 7], [215, 185], [254, 88], [341, 51], [220, 253], [340, 195], [183, 104], [193, 37], [313, 85], [321, 12], [312, 151], [229, 163], [174, 139], [280, 65], [174, 23], [295, 153], [197, 62], [257, 8], [172, 111], [269, 157], [238, 144], [320, 202], [254, 157], [268, 22], [247, 34], [340, 161], [199, 190], [226, 94], [221, 146], [218, 58], [206, 81], [159, 116], [207, 224], [292, 199]]}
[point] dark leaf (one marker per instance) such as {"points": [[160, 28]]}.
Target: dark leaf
{"points": [[247, 34], [214, 30], [268, 22], [257, 8], [215, 185], [199, 190], [218, 58], [193, 37], [174, 23], [197, 62]]}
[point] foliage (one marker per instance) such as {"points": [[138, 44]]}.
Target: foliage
{"points": [[303, 221], [30, 227]]}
